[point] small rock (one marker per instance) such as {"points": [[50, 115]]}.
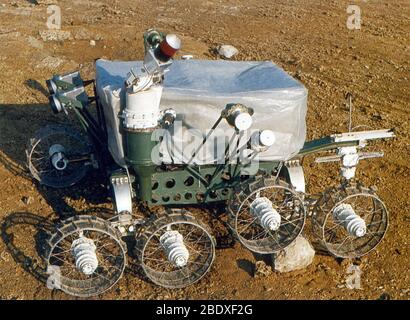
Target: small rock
{"points": [[227, 51], [385, 296], [262, 269], [322, 266], [187, 57], [45, 2], [27, 200], [267, 289], [377, 116], [54, 35], [92, 43], [298, 75], [296, 256], [5, 256]]}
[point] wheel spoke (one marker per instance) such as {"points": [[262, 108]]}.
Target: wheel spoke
{"points": [[196, 240], [249, 229], [335, 236], [109, 253]]}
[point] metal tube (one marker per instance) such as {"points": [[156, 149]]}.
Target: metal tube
{"points": [[205, 139], [219, 167]]}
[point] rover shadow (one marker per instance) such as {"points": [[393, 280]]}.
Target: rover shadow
{"points": [[219, 225], [18, 123], [43, 227], [247, 266], [30, 252], [35, 85], [250, 267], [216, 217]]}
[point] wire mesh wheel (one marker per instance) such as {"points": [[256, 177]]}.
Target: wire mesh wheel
{"points": [[333, 233], [39, 156], [248, 227], [159, 259], [85, 257]]}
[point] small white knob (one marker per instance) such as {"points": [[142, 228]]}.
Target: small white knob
{"points": [[243, 121], [267, 138]]}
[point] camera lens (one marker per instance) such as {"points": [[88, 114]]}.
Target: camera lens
{"points": [[55, 104], [168, 47], [51, 86]]}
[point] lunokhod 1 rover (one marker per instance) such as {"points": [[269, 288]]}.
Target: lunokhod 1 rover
{"points": [[187, 139]]}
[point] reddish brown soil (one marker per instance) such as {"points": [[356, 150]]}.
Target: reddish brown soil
{"points": [[309, 39]]}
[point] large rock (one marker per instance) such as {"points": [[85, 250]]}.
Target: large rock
{"points": [[295, 257], [227, 51]]}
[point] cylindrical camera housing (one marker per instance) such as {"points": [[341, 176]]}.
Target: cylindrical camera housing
{"points": [[168, 47]]}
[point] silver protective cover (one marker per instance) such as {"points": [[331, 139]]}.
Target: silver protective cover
{"points": [[198, 90]]}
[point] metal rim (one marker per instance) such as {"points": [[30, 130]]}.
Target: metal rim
{"points": [[198, 240], [110, 252], [265, 241], [331, 231], [38, 158]]}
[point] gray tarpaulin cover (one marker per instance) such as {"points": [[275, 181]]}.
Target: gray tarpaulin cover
{"points": [[198, 90]]}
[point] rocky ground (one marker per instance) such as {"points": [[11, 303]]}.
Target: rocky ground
{"points": [[309, 39]]}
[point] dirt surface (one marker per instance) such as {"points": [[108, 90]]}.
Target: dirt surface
{"points": [[309, 39]]}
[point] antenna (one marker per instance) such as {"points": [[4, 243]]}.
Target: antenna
{"points": [[349, 98]]}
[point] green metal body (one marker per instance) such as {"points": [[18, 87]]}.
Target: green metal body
{"points": [[138, 148], [201, 184], [184, 184], [180, 184]]}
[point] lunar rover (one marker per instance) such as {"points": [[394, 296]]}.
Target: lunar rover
{"points": [[173, 134]]}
